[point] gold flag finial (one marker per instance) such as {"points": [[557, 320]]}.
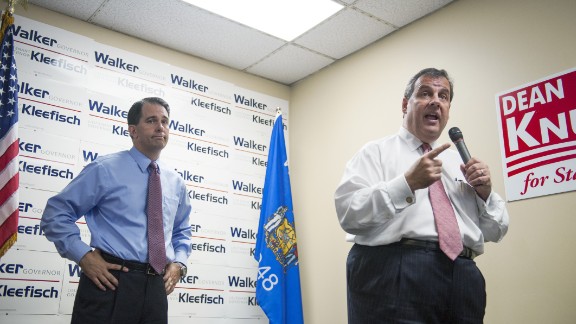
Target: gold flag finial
{"points": [[10, 8], [8, 15]]}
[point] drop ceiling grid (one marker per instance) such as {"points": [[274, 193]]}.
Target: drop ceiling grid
{"points": [[290, 64], [189, 29], [400, 12], [183, 27], [344, 33]]}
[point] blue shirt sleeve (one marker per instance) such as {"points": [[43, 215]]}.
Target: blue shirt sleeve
{"points": [[182, 231], [64, 209]]}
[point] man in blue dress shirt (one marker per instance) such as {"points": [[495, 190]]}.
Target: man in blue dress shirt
{"points": [[117, 285]]}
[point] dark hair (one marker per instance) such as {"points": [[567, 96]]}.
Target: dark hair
{"points": [[135, 112], [431, 72]]}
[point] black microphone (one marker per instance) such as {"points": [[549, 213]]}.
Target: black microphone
{"points": [[458, 140]]}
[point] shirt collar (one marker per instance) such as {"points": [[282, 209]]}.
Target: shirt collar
{"points": [[412, 142], [142, 160]]}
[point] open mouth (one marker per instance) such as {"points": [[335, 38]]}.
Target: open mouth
{"points": [[432, 117]]}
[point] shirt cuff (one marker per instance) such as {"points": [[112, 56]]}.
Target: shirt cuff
{"points": [[494, 205], [180, 257], [400, 192], [78, 250]]}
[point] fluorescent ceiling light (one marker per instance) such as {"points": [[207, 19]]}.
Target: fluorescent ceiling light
{"points": [[286, 19]]}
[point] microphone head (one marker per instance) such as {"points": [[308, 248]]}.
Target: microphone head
{"points": [[455, 134]]}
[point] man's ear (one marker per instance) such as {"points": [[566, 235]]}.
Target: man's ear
{"points": [[132, 130], [404, 105]]}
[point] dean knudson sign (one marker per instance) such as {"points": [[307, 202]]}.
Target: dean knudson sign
{"points": [[537, 125]]}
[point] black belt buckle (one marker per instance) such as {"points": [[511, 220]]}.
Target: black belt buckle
{"points": [[151, 272]]}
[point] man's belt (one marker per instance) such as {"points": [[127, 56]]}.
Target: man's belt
{"points": [[131, 265], [434, 246]]}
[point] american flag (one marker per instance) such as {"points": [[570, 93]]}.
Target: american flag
{"points": [[9, 148]]}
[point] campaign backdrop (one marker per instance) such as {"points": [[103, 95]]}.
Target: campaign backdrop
{"points": [[74, 97], [537, 124]]}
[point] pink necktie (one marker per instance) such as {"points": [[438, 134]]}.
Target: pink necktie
{"points": [[446, 224], [156, 249]]}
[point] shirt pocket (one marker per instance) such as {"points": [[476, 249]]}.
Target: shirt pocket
{"points": [[169, 207], [463, 197]]}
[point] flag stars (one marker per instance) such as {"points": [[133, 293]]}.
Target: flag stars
{"points": [[8, 84]]}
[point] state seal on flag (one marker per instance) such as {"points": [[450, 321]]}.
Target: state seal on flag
{"points": [[281, 238]]}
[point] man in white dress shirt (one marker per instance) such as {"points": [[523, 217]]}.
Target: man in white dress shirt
{"points": [[396, 271]]}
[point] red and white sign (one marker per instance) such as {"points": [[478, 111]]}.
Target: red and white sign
{"points": [[537, 124]]}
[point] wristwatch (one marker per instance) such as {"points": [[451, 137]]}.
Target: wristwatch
{"points": [[183, 269]]}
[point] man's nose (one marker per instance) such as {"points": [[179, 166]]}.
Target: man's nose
{"points": [[434, 100], [161, 127]]}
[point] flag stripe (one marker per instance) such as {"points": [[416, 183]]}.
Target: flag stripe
{"points": [[10, 137], [9, 161], [7, 192]]}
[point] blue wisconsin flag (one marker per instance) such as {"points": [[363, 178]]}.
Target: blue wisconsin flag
{"points": [[278, 283]]}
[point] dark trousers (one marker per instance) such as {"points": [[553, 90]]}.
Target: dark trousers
{"points": [[138, 299], [402, 284]]}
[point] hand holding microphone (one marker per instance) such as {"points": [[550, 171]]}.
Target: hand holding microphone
{"points": [[476, 172], [458, 140]]}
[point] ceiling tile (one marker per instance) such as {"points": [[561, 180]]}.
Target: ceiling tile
{"points": [[345, 2], [290, 64], [344, 33], [188, 29], [77, 9], [400, 12]]}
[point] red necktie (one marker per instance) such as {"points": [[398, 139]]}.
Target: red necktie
{"points": [[444, 217], [156, 249]]}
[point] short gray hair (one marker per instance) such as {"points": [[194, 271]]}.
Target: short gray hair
{"points": [[432, 72]]}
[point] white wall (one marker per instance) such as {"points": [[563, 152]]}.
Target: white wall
{"points": [[487, 46]]}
